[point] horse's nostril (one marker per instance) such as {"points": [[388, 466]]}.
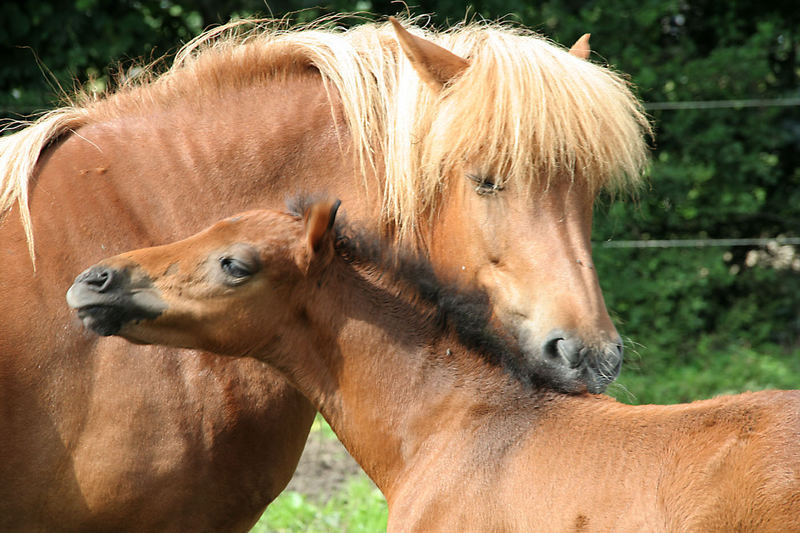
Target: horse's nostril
{"points": [[99, 279], [620, 350], [616, 356], [550, 348], [565, 349]]}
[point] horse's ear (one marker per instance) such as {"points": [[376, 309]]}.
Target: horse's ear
{"points": [[435, 65], [318, 220], [581, 47]]}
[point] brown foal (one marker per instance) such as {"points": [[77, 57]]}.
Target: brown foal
{"points": [[426, 395]]}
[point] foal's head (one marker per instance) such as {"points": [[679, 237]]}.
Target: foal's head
{"points": [[226, 289], [257, 280]]}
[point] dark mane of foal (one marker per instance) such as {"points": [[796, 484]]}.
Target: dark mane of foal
{"points": [[447, 307]]}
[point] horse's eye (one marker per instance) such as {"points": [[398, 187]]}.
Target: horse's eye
{"points": [[235, 269], [484, 184]]}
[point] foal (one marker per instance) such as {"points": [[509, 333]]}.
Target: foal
{"points": [[427, 399]]}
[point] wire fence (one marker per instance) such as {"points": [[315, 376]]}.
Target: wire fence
{"points": [[722, 104], [700, 243]]}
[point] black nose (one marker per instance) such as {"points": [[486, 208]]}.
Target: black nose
{"points": [[98, 279], [602, 361], [564, 349]]}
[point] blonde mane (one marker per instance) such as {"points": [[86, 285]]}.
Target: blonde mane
{"points": [[525, 111]]}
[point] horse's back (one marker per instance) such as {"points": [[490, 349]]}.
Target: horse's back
{"points": [[777, 463], [743, 466]]}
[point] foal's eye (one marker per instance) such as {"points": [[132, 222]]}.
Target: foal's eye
{"points": [[485, 184], [235, 269]]}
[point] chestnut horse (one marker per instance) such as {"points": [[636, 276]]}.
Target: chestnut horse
{"points": [[434, 406], [482, 147]]}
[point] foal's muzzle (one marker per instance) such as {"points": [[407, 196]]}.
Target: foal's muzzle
{"points": [[106, 298]]}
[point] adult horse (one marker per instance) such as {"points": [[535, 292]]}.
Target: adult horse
{"points": [[483, 147], [434, 406]]}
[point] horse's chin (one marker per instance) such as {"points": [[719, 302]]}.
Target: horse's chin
{"points": [[591, 381], [558, 377], [109, 321], [564, 378], [102, 319]]}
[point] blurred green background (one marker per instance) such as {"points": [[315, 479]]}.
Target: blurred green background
{"points": [[697, 320]]}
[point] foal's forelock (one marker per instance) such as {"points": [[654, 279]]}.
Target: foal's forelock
{"points": [[524, 110]]}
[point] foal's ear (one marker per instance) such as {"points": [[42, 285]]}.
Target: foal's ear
{"points": [[435, 65], [581, 47], [318, 220]]}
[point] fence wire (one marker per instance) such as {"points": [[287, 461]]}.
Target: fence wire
{"points": [[722, 104], [699, 243]]}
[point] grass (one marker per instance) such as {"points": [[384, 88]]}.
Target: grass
{"points": [[710, 370], [359, 508], [707, 372]]}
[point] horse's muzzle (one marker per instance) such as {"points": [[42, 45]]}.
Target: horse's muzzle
{"points": [[571, 364], [106, 298]]}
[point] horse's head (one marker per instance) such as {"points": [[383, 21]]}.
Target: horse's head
{"points": [[532, 255], [225, 290], [514, 213]]}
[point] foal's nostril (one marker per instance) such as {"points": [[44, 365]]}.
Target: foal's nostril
{"points": [[99, 279]]}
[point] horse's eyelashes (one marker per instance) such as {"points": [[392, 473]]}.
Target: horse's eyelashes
{"points": [[236, 270], [485, 184]]}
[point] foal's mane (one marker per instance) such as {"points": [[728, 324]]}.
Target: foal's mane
{"points": [[445, 307], [525, 111]]}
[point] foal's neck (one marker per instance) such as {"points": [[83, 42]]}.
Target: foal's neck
{"points": [[390, 381]]}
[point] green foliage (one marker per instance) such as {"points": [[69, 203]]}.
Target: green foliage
{"points": [[49, 47], [712, 368], [717, 173], [359, 508]]}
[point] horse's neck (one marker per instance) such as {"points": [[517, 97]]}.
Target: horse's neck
{"points": [[175, 167], [391, 384]]}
